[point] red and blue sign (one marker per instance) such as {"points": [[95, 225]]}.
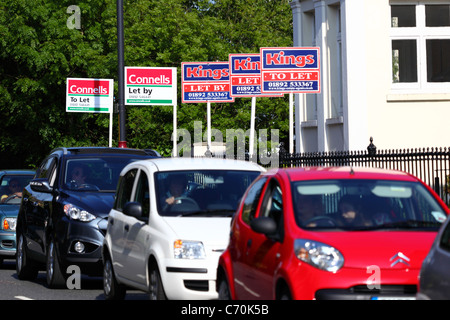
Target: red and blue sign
{"points": [[245, 75], [205, 82], [290, 70]]}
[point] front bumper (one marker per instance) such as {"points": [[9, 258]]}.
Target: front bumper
{"points": [[308, 283], [90, 235], [190, 279]]}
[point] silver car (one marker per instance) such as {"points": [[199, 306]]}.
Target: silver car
{"points": [[434, 277]]}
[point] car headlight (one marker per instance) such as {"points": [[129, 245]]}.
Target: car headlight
{"points": [[188, 250], [76, 213], [9, 224], [319, 255]]}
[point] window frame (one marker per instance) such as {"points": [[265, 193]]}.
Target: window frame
{"points": [[421, 34]]}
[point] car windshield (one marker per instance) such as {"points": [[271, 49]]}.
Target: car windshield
{"points": [[93, 173], [201, 192], [11, 186], [365, 205]]}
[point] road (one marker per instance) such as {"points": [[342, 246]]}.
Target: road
{"points": [[11, 288]]}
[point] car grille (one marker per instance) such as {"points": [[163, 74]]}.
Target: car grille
{"points": [[196, 285], [8, 244]]}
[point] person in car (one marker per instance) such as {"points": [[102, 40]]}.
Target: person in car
{"points": [[308, 207], [78, 176], [350, 213], [177, 188], [14, 189]]}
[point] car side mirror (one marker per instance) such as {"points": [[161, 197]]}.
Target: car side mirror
{"points": [[41, 185], [133, 209], [264, 225]]}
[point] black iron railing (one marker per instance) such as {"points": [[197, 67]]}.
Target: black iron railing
{"points": [[431, 165]]}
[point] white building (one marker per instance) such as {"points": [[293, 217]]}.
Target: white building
{"points": [[385, 74]]}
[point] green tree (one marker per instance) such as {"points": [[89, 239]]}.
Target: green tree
{"points": [[38, 52]]}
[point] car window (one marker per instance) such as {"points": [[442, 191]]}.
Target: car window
{"points": [[201, 192], [125, 189], [252, 200], [93, 173], [444, 242], [365, 204], [142, 194], [272, 204], [13, 184], [47, 169]]}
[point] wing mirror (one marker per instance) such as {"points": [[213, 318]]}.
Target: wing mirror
{"points": [[41, 185], [264, 225], [134, 209]]}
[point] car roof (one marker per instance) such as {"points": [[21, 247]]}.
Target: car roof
{"points": [[104, 150], [17, 171], [180, 163], [345, 172]]}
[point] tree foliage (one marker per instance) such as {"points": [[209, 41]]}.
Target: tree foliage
{"points": [[38, 52]]}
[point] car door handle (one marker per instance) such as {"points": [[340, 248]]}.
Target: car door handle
{"points": [[126, 227], [111, 221], [249, 243]]}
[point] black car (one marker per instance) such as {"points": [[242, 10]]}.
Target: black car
{"points": [[64, 213]]}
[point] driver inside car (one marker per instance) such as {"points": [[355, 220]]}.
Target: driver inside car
{"points": [[177, 188], [15, 189], [308, 208]]}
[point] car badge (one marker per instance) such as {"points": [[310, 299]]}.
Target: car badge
{"points": [[399, 258]]}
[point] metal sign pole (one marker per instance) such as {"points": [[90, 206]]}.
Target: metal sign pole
{"points": [[120, 55]]}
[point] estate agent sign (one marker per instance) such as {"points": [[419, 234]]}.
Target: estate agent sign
{"points": [[290, 70], [205, 82], [150, 86], [89, 95]]}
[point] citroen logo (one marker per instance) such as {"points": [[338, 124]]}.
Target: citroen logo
{"points": [[399, 258]]}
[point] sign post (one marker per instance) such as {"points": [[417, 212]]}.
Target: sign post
{"points": [[290, 70], [205, 82], [245, 81], [91, 95]]}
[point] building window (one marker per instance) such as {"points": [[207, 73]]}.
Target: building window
{"points": [[420, 39]]}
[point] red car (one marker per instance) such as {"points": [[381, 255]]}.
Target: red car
{"points": [[330, 233]]}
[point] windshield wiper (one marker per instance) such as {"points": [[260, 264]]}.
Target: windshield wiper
{"points": [[210, 213], [406, 224]]}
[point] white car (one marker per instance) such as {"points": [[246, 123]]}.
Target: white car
{"points": [[166, 239]]}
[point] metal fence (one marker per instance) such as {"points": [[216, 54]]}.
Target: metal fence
{"points": [[431, 165]]}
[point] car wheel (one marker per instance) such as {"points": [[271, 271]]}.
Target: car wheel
{"points": [[224, 289], [112, 289], [55, 278], [156, 289], [285, 295], [24, 267]]}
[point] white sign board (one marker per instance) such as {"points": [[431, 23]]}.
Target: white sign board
{"points": [[150, 86], [89, 95]]}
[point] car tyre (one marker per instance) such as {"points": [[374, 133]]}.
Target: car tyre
{"points": [[224, 289], [156, 289], [113, 290], [55, 278], [24, 266]]}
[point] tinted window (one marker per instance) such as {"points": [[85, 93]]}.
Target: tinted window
{"points": [[445, 239], [201, 192], [366, 204], [125, 188], [142, 194], [252, 199], [93, 173]]}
